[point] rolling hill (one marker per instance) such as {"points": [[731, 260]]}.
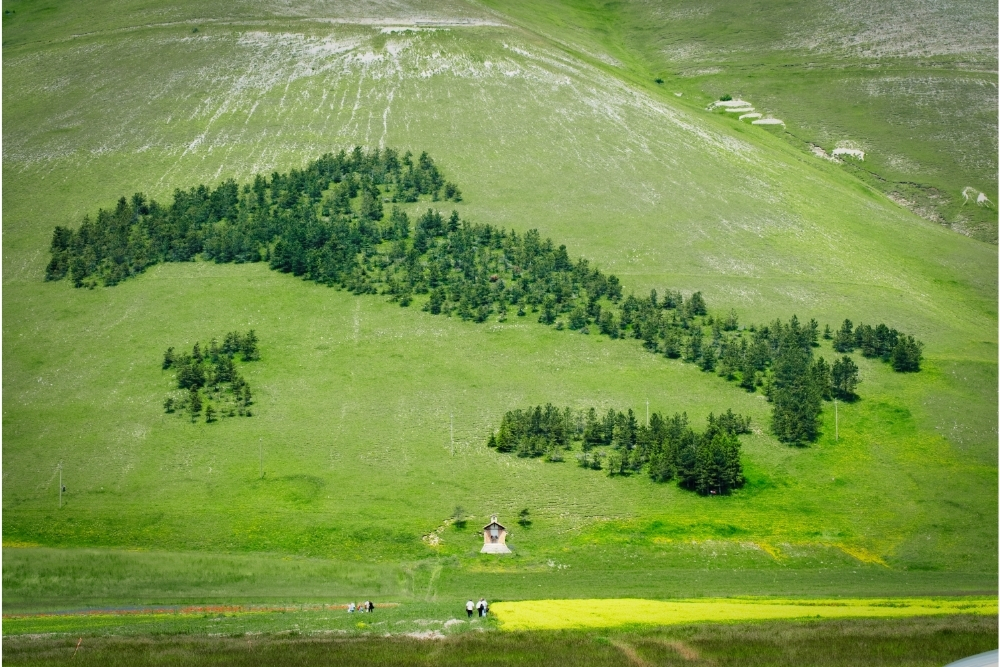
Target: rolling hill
{"points": [[355, 395]]}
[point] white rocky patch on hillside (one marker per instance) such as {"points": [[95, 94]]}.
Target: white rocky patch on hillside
{"points": [[850, 152]]}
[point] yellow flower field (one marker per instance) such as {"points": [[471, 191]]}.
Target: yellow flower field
{"points": [[564, 614]]}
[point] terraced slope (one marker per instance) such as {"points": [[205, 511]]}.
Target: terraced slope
{"points": [[355, 395]]}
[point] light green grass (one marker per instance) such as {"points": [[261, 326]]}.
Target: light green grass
{"points": [[393, 619], [354, 395], [927, 641], [911, 83]]}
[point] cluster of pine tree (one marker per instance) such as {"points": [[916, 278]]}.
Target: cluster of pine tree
{"points": [[211, 374], [880, 342], [326, 223], [318, 219], [667, 449]]}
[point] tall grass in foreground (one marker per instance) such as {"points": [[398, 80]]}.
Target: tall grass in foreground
{"points": [[914, 641]]}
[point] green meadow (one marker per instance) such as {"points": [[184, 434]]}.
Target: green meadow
{"points": [[926, 641], [370, 420], [910, 83]]}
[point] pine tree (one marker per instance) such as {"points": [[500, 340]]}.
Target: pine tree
{"points": [[797, 400], [821, 378], [616, 463], [812, 332], [843, 340], [209, 413], [672, 344], [194, 404], [696, 305], [844, 378], [593, 434], [436, 301], [371, 204], [748, 377], [906, 355], [249, 346], [708, 359], [692, 351]]}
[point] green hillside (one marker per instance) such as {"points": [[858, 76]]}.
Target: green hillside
{"points": [[911, 84], [354, 396]]}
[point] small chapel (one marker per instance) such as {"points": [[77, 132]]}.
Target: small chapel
{"points": [[494, 538]]}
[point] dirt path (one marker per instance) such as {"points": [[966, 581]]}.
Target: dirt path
{"points": [[188, 609]]}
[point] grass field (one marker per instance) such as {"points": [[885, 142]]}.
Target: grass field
{"points": [[354, 395], [926, 641], [894, 80]]}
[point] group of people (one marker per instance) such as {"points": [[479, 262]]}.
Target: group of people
{"points": [[361, 607], [483, 607]]}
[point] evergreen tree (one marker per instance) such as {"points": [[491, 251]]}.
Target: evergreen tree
{"points": [[844, 378], [843, 340], [906, 355], [812, 333], [209, 413], [672, 344], [821, 378], [692, 351], [194, 404], [797, 400], [748, 377], [249, 346], [436, 301], [593, 432], [708, 359], [696, 305], [371, 204], [616, 463]]}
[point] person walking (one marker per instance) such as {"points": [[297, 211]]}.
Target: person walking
{"points": [[469, 606], [481, 607], [371, 606], [486, 608]]}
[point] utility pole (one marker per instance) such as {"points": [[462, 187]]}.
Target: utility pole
{"points": [[836, 421], [452, 430], [260, 446]]}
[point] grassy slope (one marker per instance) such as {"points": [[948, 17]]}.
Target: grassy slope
{"points": [[912, 83], [354, 394]]}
